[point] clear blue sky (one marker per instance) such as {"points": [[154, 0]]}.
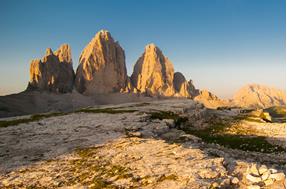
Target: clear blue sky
{"points": [[219, 44]]}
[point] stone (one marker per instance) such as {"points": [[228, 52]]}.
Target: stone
{"points": [[265, 175], [252, 178], [54, 72], [253, 169], [268, 182], [266, 117], [153, 73], [134, 134], [208, 174], [234, 180], [277, 176], [253, 187], [214, 185], [169, 122], [102, 67], [273, 170]]}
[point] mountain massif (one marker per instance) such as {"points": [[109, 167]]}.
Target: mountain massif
{"points": [[54, 72], [102, 70]]}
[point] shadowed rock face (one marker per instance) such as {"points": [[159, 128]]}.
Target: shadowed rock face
{"points": [[183, 88], [54, 72], [153, 73], [259, 96], [102, 66]]}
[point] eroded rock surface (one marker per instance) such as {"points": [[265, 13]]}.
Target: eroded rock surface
{"points": [[102, 67], [210, 100], [54, 72], [128, 145]]}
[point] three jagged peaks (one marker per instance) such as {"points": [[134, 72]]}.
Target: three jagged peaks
{"points": [[102, 69]]}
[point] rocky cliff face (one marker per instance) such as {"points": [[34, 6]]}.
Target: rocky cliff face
{"points": [[210, 100], [153, 73], [102, 66], [183, 88], [54, 72], [259, 96]]}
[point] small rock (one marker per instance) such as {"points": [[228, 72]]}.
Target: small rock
{"points": [[277, 176], [235, 180], [188, 137], [253, 187], [225, 182], [253, 169], [268, 182], [208, 174], [253, 178], [214, 185], [273, 171], [262, 169], [169, 122], [134, 134], [265, 175]]}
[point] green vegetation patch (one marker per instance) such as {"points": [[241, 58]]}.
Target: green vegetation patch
{"points": [[178, 120], [95, 171], [4, 109], [215, 134], [105, 110], [36, 117]]}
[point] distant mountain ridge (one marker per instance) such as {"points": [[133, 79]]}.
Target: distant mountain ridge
{"points": [[102, 70], [259, 96]]}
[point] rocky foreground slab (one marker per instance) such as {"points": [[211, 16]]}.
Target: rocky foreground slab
{"points": [[160, 144]]}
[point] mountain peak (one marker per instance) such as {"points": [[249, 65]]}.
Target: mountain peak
{"points": [[49, 52]]}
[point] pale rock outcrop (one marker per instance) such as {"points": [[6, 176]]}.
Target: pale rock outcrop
{"points": [[183, 88], [259, 96], [54, 72], [153, 73], [210, 100], [102, 66]]}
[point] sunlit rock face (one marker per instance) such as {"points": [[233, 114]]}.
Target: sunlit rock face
{"points": [[54, 72], [259, 96], [102, 66], [182, 87], [153, 73], [210, 100]]}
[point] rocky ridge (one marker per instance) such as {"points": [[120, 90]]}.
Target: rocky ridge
{"points": [[259, 96]]}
